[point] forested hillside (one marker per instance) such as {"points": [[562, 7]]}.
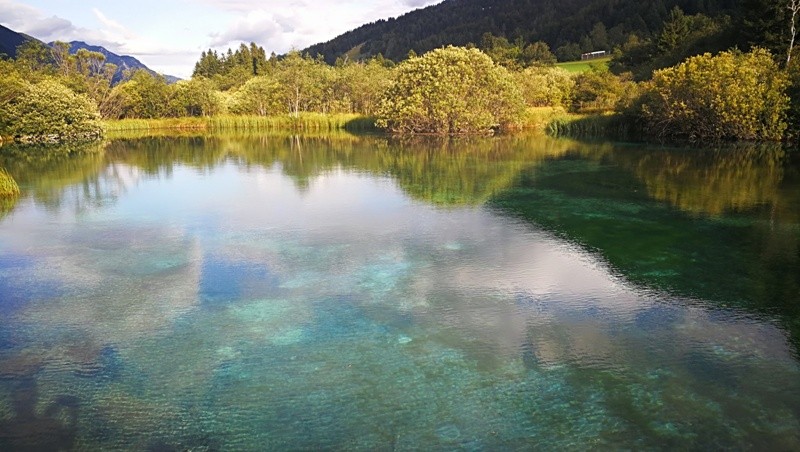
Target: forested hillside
{"points": [[569, 27], [10, 40]]}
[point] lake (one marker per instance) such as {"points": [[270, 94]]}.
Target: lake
{"points": [[365, 293]]}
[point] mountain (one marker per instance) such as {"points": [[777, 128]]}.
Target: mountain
{"points": [[123, 62], [568, 26], [10, 40]]}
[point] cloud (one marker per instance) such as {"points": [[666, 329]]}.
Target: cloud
{"points": [[418, 3], [300, 23], [112, 35], [256, 26], [219, 24]]}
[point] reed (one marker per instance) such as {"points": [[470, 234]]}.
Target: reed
{"points": [[128, 125], [8, 186], [304, 122], [590, 126]]}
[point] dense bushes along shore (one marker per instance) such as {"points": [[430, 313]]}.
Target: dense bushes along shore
{"points": [[731, 95]]}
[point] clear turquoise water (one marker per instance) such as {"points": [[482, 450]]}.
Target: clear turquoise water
{"points": [[359, 293]]}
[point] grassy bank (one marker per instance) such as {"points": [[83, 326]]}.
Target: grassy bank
{"points": [[583, 66], [554, 121], [305, 122], [557, 122]]}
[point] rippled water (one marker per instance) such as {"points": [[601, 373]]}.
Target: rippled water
{"points": [[341, 292]]}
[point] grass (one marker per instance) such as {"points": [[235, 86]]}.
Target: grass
{"points": [[557, 122], [539, 118], [305, 122], [583, 66], [590, 126], [8, 186]]}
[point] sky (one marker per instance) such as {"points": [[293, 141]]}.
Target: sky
{"points": [[168, 35]]}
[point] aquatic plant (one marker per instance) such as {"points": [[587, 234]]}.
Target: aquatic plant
{"points": [[8, 186]]}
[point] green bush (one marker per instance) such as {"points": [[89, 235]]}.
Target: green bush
{"points": [[546, 86], [598, 90], [733, 95], [451, 90], [49, 111], [259, 96]]}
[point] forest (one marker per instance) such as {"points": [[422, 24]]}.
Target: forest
{"points": [[687, 79]]}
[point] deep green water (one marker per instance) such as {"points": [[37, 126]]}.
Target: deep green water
{"points": [[360, 293]]}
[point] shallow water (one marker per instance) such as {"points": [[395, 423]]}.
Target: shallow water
{"points": [[341, 292]]}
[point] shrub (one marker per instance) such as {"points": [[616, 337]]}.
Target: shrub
{"points": [[258, 96], [598, 91], [451, 90], [733, 95], [544, 86], [49, 111]]}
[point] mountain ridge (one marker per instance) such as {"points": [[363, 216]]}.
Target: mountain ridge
{"points": [[10, 40], [562, 24], [123, 62]]}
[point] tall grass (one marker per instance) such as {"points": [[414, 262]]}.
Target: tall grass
{"points": [[304, 122], [127, 125], [8, 186], [590, 126]]}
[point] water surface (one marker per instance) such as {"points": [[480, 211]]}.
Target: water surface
{"points": [[343, 292]]}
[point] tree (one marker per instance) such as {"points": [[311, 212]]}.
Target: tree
{"points": [[732, 95], [675, 31], [451, 90], [303, 81], [143, 96], [259, 96], [546, 86], [794, 8], [598, 90], [568, 52], [359, 86], [35, 56], [537, 53], [195, 97], [49, 111]]}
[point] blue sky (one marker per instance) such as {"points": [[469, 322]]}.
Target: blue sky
{"points": [[168, 35]]}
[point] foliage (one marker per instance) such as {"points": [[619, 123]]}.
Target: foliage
{"points": [[142, 96], [359, 86], [598, 90], [258, 96], [233, 68], [569, 26], [681, 36], [49, 111], [195, 97], [732, 95], [450, 91], [793, 72], [303, 83], [546, 86], [516, 55]]}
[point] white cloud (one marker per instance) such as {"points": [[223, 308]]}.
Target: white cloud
{"points": [[219, 24], [300, 23]]}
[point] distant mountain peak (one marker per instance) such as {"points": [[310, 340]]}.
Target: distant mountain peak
{"points": [[123, 62], [10, 40]]}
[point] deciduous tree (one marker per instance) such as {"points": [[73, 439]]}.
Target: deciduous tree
{"points": [[450, 90]]}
